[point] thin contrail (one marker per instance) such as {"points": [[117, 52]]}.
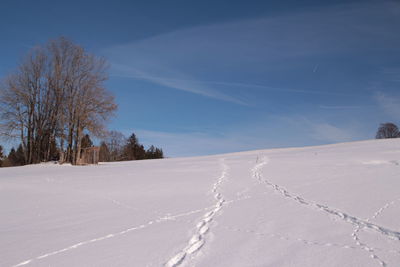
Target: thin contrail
{"points": [[315, 68]]}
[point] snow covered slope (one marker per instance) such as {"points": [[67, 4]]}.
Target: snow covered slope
{"points": [[336, 205]]}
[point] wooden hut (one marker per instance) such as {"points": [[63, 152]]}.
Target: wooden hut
{"points": [[89, 155]]}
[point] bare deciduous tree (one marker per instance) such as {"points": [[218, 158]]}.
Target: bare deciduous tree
{"points": [[55, 95], [115, 142]]}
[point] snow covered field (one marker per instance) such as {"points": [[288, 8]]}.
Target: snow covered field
{"points": [[336, 205]]}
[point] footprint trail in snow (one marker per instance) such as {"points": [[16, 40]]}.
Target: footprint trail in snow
{"points": [[256, 173], [197, 241]]}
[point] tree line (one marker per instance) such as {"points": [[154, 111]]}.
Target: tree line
{"points": [[14, 158], [54, 98], [114, 147], [119, 148]]}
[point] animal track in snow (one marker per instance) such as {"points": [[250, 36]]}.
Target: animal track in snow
{"points": [[165, 218], [287, 238], [197, 241], [380, 162], [364, 246], [256, 173]]}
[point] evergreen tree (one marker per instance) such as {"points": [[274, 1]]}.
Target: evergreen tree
{"points": [[140, 152], [133, 150], [20, 155], [129, 149], [12, 157], [154, 153], [159, 154], [104, 152], [150, 152], [16, 157], [86, 141]]}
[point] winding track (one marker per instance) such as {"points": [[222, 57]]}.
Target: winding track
{"points": [[256, 171], [112, 235], [360, 224], [363, 245], [194, 244], [197, 241]]}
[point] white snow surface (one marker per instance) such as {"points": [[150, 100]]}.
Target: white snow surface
{"points": [[334, 205]]}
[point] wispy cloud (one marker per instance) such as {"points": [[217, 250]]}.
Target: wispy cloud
{"points": [[268, 132], [392, 74], [187, 85], [329, 133], [390, 104], [195, 86], [315, 129], [274, 89], [276, 53], [341, 107]]}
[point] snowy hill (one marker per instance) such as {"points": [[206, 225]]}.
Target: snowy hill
{"points": [[335, 205]]}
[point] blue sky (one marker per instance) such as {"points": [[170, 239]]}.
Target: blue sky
{"points": [[223, 76]]}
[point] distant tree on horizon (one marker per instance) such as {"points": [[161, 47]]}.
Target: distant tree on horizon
{"points": [[387, 130], [1, 156]]}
